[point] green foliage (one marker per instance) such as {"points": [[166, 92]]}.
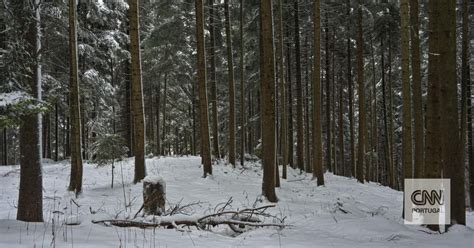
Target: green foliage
{"points": [[108, 148]]}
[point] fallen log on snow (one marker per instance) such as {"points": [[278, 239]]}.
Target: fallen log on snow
{"points": [[238, 220]]}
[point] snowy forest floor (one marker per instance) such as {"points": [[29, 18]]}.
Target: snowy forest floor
{"points": [[344, 213]]}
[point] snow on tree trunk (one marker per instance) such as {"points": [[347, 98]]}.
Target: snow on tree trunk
{"points": [[154, 195]]}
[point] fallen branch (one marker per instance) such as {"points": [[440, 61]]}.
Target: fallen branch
{"points": [[238, 220]]}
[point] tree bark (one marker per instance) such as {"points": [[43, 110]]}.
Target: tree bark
{"points": [[242, 86], [299, 94], [361, 92], [267, 88], [201, 64], [328, 97], [137, 92], [417, 93], [406, 92], [290, 105], [213, 81], [466, 118], [317, 145], [230, 69], [351, 93], [284, 118], [158, 110], [75, 183], [30, 198], [451, 152]]}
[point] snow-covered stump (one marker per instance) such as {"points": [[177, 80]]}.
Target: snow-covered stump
{"points": [[154, 195]]}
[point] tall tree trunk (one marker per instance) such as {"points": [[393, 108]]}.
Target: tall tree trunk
{"points": [[390, 113], [406, 94], [328, 98], [201, 64], [308, 165], [30, 198], [213, 81], [242, 86], [317, 144], [137, 92], [5, 146], [75, 183], [387, 154], [466, 82], [284, 119], [164, 141], [267, 86], [158, 133], [361, 93], [299, 94], [351, 93], [341, 130], [230, 69], [375, 150], [452, 150], [417, 94], [290, 105], [56, 131]]}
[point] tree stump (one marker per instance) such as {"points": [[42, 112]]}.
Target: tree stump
{"points": [[154, 195]]}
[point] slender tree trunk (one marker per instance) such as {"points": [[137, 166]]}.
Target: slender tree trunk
{"points": [[317, 144], [361, 93], [390, 114], [267, 86], [417, 93], [375, 138], [387, 153], [242, 86], [290, 106], [75, 183], [351, 93], [328, 98], [466, 118], [201, 64], [213, 81], [158, 133], [308, 165], [5, 146], [284, 118], [30, 198], [406, 93], [341, 130], [230, 68], [137, 92], [299, 94], [164, 140], [56, 131]]}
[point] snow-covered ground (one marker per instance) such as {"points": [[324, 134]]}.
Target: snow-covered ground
{"points": [[344, 213]]}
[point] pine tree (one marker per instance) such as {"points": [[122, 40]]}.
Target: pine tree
{"points": [[75, 183], [283, 107], [361, 93], [299, 94], [201, 65], [317, 146], [230, 69], [213, 80], [417, 94], [407, 159], [137, 93], [267, 89], [30, 198]]}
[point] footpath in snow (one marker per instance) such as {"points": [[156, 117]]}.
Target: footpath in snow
{"points": [[343, 213]]}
